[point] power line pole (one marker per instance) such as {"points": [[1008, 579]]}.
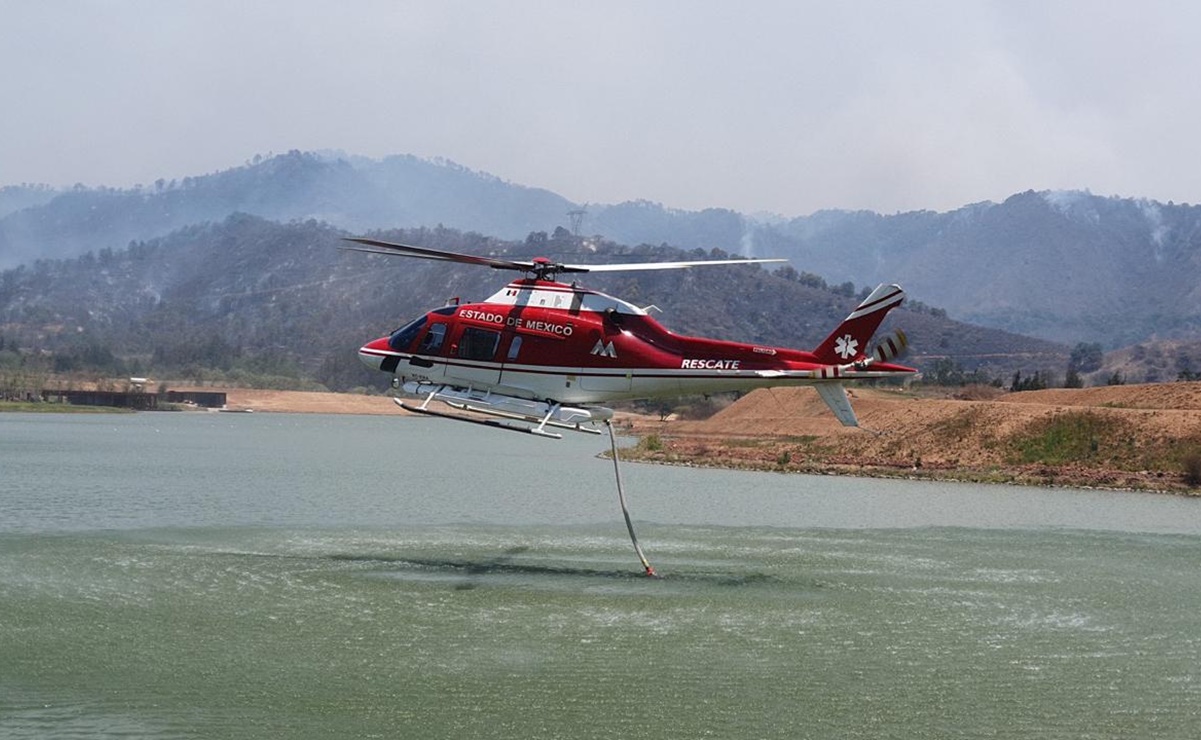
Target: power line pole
{"points": [[577, 218]]}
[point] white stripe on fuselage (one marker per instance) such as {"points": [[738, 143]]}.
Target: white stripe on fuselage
{"points": [[562, 383]]}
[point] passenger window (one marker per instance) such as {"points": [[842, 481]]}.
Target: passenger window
{"points": [[478, 344], [514, 348], [433, 339]]}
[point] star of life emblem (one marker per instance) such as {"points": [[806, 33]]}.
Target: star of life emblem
{"points": [[846, 346]]}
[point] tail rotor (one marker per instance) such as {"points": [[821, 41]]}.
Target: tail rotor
{"points": [[892, 346]]}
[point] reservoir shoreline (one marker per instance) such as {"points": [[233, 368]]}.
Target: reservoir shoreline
{"points": [[1133, 438]]}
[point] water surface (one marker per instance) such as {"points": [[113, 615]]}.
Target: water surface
{"points": [[270, 575]]}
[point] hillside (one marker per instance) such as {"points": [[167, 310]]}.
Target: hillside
{"points": [[253, 297], [1153, 361], [1136, 436], [352, 193], [1064, 266]]}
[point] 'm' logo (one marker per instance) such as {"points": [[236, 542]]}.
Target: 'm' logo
{"points": [[845, 346], [604, 350]]}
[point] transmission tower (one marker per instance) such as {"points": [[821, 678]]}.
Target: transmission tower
{"points": [[577, 218]]}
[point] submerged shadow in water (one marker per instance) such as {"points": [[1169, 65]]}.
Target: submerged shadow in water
{"points": [[504, 564]]}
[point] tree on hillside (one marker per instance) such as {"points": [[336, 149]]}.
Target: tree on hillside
{"points": [[1185, 370], [1086, 357], [787, 272], [1035, 382], [945, 371]]}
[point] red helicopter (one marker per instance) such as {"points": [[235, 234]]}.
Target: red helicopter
{"points": [[542, 354], [546, 353]]}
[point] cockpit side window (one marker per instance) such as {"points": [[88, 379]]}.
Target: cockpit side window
{"points": [[433, 338], [404, 336]]}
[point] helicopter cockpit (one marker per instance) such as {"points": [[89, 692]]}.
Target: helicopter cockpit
{"points": [[404, 336]]}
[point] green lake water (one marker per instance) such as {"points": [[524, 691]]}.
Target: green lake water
{"points": [[286, 576]]}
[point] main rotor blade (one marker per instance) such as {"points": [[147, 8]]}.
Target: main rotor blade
{"points": [[540, 267], [405, 250], [663, 265]]}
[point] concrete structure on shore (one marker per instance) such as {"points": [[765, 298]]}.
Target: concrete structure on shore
{"points": [[135, 399]]}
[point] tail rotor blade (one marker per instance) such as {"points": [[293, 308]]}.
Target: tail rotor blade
{"points": [[891, 346]]}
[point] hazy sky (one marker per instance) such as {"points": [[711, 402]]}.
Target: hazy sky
{"points": [[787, 107]]}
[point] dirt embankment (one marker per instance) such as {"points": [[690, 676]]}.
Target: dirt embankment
{"points": [[1140, 437], [306, 402]]}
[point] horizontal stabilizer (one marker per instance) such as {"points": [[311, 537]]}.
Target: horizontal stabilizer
{"points": [[836, 398]]}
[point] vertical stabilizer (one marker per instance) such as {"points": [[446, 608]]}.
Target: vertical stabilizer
{"points": [[848, 343]]}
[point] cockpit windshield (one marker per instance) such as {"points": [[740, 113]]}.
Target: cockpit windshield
{"points": [[404, 336]]}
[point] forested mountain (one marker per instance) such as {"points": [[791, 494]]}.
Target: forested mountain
{"points": [[1071, 267], [253, 295], [352, 193], [1066, 266], [15, 198]]}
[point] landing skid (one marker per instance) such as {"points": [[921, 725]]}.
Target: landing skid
{"points": [[539, 430], [472, 420], [544, 422], [538, 414]]}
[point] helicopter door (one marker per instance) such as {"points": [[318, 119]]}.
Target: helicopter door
{"points": [[431, 344], [511, 344], [610, 378], [473, 358]]}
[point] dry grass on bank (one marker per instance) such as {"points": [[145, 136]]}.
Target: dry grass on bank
{"points": [[1145, 436]]}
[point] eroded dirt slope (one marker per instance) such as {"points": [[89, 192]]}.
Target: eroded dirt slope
{"points": [[1113, 436]]}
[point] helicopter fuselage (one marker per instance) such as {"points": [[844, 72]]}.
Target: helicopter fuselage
{"points": [[551, 341]]}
